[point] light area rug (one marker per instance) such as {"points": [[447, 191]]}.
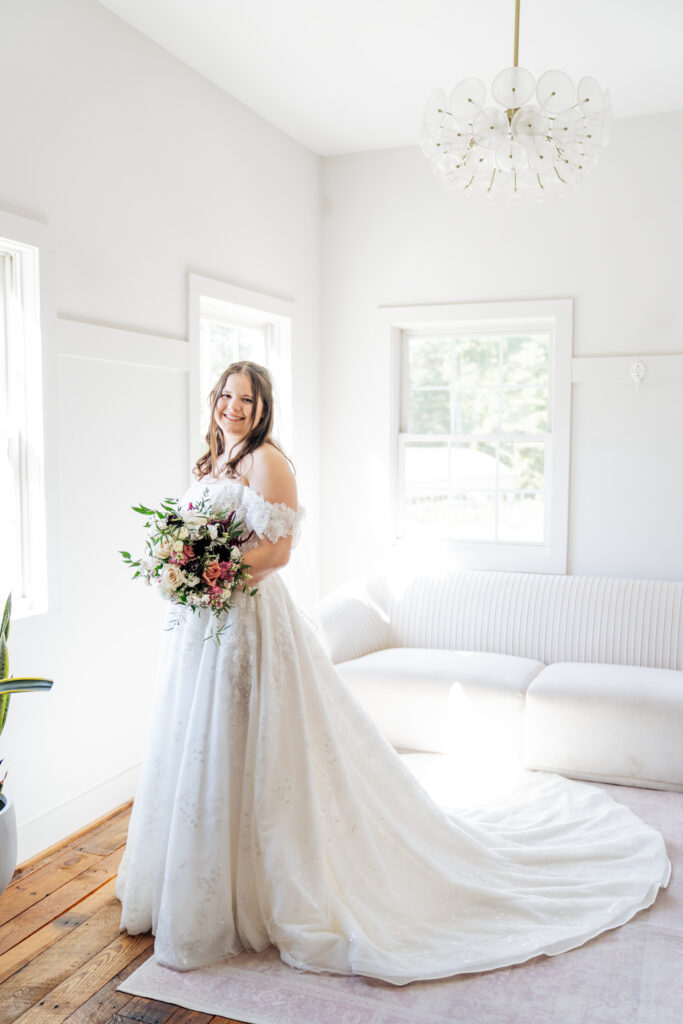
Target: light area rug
{"points": [[630, 975]]}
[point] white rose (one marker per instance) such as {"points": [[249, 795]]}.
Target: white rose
{"points": [[171, 577], [213, 531], [177, 545], [164, 548], [184, 533], [195, 520]]}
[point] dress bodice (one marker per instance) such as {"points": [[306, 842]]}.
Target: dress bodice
{"points": [[271, 520]]}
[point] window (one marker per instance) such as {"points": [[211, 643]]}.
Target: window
{"points": [[484, 432], [229, 324], [23, 557]]}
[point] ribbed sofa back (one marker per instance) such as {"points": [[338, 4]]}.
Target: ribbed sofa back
{"points": [[550, 618]]}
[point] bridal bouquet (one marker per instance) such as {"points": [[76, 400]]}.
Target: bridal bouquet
{"points": [[193, 555]]}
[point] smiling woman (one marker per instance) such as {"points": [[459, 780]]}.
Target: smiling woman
{"points": [[241, 422]]}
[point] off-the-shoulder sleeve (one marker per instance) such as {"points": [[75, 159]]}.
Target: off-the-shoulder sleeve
{"points": [[273, 519]]}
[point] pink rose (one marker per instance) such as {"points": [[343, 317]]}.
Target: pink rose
{"points": [[212, 573]]}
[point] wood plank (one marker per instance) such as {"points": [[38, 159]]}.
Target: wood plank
{"points": [[183, 1016], [57, 902], [107, 839], [100, 1007], [21, 954], [150, 1011], [20, 895], [58, 962], [145, 1011], [56, 1006], [45, 856]]}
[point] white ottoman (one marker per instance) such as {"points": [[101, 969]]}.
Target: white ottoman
{"points": [[436, 700], [614, 723]]}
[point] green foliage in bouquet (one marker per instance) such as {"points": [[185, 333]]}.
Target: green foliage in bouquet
{"points": [[9, 684]]}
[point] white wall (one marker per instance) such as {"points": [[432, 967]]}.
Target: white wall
{"points": [[145, 172], [392, 236]]}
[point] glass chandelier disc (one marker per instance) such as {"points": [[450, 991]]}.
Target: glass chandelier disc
{"points": [[462, 173], [490, 127], [447, 165], [480, 161], [513, 87], [467, 99], [555, 91], [576, 158], [529, 126], [527, 180], [568, 128], [569, 175], [485, 188], [435, 111], [589, 96], [515, 190], [455, 140], [549, 183], [593, 135], [542, 157], [571, 156], [510, 156], [587, 162]]}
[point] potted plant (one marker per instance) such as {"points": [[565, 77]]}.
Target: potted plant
{"points": [[9, 685]]}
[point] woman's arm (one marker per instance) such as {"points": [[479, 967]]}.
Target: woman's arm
{"points": [[271, 475]]}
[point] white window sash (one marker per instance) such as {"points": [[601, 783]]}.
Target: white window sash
{"points": [[481, 319], [22, 425]]}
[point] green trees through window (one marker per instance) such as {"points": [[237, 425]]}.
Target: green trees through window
{"points": [[475, 422]]}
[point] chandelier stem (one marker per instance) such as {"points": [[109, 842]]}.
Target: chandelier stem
{"points": [[516, 53]]}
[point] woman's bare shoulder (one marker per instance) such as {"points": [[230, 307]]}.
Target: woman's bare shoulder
{"points": [[272, 476]]}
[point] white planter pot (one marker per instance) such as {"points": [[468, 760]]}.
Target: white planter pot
{"points": [[8, 842]]}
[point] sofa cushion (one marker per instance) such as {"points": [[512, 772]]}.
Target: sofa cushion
{"points": [[433, 700], [615, 723]]}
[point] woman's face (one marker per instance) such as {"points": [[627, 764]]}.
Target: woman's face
{"points": [[234, 412]]}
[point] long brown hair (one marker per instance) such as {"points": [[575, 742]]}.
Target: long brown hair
{"points": [[258, 434]]}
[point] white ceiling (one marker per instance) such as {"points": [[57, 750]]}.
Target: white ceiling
{"points": [[344, 76]]}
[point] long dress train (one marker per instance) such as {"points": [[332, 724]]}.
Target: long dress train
{"points": [[270, 810]]}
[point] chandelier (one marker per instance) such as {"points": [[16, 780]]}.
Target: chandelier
{"points": [[536, 138]]}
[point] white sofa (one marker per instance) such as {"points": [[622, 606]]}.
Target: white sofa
{"points": [[577, 675]]}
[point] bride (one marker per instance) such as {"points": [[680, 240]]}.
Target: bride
{"points": [[270, 810]]}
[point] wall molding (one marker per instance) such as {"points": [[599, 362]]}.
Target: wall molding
{"points": [[661, 369], [84, 340]]}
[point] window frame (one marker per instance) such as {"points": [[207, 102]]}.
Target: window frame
{"points": [[554, 316], [37, 461], [278, 315]]}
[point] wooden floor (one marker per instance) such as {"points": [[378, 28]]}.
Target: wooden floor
{"points": [[61, 952]]}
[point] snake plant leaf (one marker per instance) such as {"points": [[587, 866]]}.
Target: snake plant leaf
{"points": [[24, 684], [4, 658], [4, 629], [4, 708]]}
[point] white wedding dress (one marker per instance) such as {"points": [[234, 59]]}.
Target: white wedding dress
{"points": [[270, 810]]}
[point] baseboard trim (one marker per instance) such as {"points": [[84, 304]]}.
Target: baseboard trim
{"points": [[63, 824]]}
